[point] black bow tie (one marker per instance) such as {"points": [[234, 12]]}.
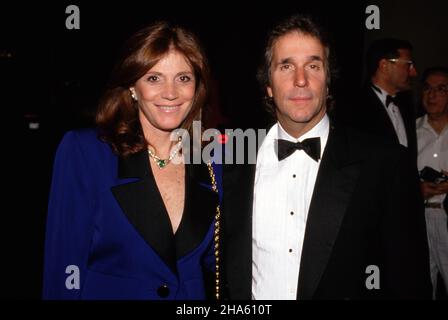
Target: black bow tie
{"points": [[285, 148], [390, 99]]}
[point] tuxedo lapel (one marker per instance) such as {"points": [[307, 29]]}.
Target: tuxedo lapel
{"points": [[335, 184], [406, 108], [379, 117], [238, 186]]}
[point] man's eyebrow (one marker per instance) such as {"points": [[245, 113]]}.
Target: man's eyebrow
{"points": [[315, 58], [285, 60], [291, 60]]}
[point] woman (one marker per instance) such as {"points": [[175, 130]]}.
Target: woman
{"points": [[125, 221]]}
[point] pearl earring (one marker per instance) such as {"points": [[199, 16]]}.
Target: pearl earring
{"points": [[133, 95]]}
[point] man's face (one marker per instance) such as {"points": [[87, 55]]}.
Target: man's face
{"points": [[298, 80], [401, 72], [435, 94]]}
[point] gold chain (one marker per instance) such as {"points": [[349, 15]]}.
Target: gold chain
{"points": [[217, 232]]}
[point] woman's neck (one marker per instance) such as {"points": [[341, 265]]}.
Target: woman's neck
{"points": [[159, 140]]}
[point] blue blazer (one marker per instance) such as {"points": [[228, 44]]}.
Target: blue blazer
{"points": [[108, 234]]}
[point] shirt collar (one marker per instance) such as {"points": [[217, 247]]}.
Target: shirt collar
{"points": [[422, 123], [381, 93], [266, 155], [320, 130]]}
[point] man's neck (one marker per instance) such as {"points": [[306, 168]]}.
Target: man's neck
{"points": [[296, 130], [438, 121], [381, 83]]}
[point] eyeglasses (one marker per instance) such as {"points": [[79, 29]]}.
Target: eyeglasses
{"points": [[440, 89], [410, 63]]}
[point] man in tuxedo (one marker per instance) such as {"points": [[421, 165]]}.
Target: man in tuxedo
{"points": [[384, 105], [321, 215]]}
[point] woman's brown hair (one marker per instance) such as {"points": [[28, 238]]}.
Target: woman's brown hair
{"points": [[117, 115]]}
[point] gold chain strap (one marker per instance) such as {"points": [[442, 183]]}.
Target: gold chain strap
{"points": [[217, 232]]}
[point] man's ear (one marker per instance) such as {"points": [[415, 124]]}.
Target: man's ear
{"points": [[383, 65]]}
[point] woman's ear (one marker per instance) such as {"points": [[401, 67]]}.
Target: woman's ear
{"points": [[269, 91], [133, 94]]}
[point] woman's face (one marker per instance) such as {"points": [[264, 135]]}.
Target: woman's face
{"points": [[165, 93]]}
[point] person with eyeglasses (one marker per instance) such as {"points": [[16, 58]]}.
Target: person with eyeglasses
{"points": [[432, 142], [384, 105]]}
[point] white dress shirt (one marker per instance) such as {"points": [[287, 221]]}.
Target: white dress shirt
{"points": [[282, 196], [432, 149], [395, 116]]}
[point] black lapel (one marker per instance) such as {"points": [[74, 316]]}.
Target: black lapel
{"points": [[200, 209], [406, 107], [335, 183], [238, 186], [144, 207], [384, 123]]}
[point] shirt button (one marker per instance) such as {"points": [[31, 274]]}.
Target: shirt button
{"points": [[435, 155], [290, 250], [293, 175], [163, 291], [292, 213]]}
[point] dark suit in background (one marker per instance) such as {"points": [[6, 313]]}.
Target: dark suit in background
{"points": [[367, 113]]}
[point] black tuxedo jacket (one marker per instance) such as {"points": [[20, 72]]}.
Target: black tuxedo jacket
{"points": [[366, 209], [366, 113]]}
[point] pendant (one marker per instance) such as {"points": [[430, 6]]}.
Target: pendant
{"points": [[161, 163]]}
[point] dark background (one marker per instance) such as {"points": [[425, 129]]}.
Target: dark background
{"points": [[54, 77]]}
